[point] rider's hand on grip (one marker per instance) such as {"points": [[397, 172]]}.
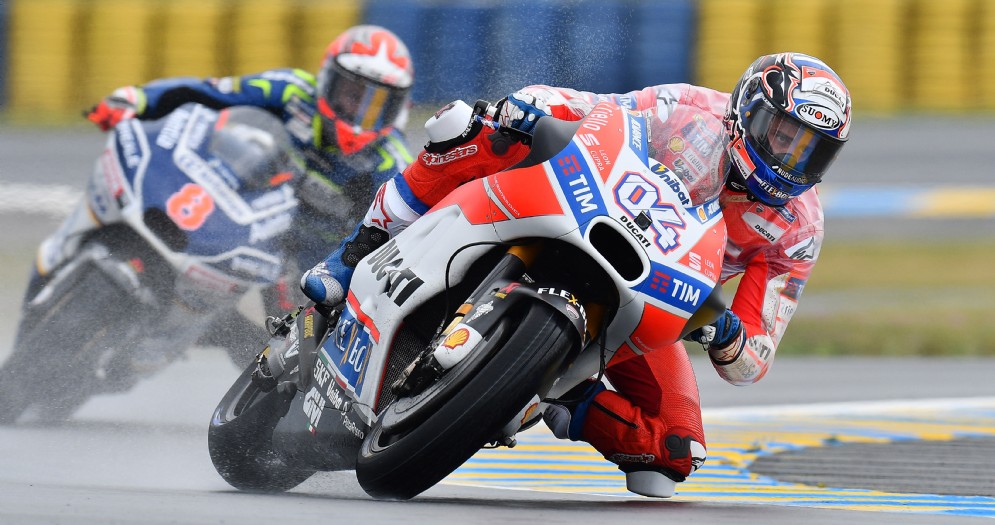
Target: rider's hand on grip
{"points": [[464, 144], [720, 333], [123, 103], [453, 125], [522, 111]]}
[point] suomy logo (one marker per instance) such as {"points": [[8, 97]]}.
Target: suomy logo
{"points": [[819, 116]]}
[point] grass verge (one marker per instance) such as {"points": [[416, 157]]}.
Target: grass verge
{"points": [[898, 298]]}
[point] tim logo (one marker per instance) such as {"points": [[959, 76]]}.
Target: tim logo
{"points": [[574, 178], [660, 282], [675, 288], [582, 193]]}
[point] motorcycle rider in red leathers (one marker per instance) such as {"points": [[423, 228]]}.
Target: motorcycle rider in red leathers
{"points": [[772, 139]]}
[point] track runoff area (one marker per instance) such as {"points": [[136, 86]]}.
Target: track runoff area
{"points": [[863, 441], [768, 456]]}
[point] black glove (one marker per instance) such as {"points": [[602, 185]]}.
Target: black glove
{"points": [[720, 333]]}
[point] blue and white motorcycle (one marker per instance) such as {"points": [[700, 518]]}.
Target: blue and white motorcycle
{"points": [[181, 218]]}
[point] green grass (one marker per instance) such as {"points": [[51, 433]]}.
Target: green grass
{"points": [[898, 298]]}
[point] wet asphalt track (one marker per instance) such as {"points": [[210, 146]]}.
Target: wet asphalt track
{"points": [[141, 457]]}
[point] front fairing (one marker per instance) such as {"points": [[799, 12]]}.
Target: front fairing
{"points": [[159, 178]]}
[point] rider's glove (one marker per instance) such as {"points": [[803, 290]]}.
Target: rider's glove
{"points": [[521, 111], [457, 124], [123, 103], [452, 126], [720, 333]]}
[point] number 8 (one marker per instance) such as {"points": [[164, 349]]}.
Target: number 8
{"points": [[190, 207]]}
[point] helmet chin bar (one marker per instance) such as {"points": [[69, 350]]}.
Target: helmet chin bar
{"points": [[736, 182]]}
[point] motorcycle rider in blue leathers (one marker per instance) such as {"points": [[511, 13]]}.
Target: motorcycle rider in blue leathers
{"points": [[347, 124]]}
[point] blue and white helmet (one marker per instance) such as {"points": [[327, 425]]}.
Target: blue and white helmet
{"points": [[788, 118]]}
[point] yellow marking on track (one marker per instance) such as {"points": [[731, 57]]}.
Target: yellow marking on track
{"points": [[961, 202], [735, 440]]}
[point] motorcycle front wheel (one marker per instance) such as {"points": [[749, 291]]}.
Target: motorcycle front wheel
{"points": [[240, 438], [524, 355], [51, 363]]}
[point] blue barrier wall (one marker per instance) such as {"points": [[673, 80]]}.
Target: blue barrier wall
{"points": [[487, 49], [662, 41], [448, 44]]}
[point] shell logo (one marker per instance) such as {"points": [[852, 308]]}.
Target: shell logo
{"points": [[528, 413], [457, 338]]}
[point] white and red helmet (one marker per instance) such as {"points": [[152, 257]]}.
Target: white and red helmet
{"points": [[788, 118], [364, 86]]}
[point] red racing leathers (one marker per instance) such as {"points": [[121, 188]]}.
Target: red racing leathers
{"points": [[653, 417], [655, 409]]}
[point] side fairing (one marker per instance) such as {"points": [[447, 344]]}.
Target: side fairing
{"points": [[190, 206]]}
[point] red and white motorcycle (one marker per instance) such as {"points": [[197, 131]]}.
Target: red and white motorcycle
{"points": [[509, 292]]}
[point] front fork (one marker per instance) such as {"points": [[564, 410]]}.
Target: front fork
{"points": [[427, 367], [471, 319]]}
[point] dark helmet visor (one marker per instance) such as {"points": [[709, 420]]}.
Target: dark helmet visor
{"points": [[363, 102], [797, 152]]}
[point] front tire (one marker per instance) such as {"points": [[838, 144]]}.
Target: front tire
{"points": [[55, 343], [405, 464], [240, 438]]}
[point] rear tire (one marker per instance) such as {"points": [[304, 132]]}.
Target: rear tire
{"points": [[240, 438], [404, 465]]}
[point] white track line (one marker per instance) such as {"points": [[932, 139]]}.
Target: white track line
{"points": [[854, 407], [56, 200]]}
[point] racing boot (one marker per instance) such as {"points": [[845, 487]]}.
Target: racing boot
{"points": [[653, 457], [328, 280], [565, 416], [463, 145]]}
